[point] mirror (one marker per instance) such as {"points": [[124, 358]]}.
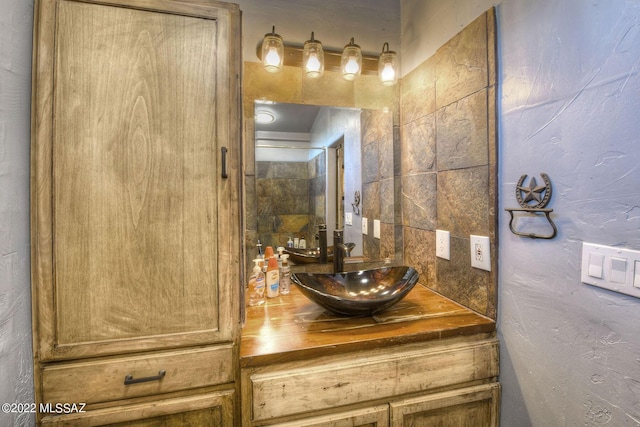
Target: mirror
{"points": [[324, 165]]}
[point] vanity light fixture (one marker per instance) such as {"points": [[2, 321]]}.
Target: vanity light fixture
{"points": [[272, 52], [313, 58], [351, 62], [388, 66]]}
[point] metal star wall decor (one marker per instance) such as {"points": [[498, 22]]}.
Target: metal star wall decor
{"points": [[533, 198], [534, 192]]}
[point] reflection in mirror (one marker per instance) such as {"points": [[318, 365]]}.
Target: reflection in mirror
{"points": [[301, 181], [325, 165]]}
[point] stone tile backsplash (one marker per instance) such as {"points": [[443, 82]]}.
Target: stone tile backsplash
{"points": [[448, 148]]}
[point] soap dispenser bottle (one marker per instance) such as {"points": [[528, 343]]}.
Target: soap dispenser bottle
{"points": [[285, 278], [268, 253], [256, 284], [273, 278]]}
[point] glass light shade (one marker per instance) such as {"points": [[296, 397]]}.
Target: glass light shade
{"points": [[351, 61], [272, 52], [388, 66], [313, 58]]}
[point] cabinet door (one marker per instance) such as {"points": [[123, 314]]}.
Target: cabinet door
{"points": [[211, 409], [135, 226], [469, 407]]}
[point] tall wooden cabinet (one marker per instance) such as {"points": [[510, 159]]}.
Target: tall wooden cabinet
{"points": [[135, 184]]}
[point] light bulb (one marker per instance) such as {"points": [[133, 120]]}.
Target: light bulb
{"points": [[272, 52], [352, 66], [388, 73], [313, 58], [388, 66], [313, 64], [272, 59], [351, 61]]}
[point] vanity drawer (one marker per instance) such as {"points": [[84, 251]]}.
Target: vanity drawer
{"points": [[368, 376], [103, 380]]}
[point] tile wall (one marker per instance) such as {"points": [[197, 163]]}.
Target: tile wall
{"points": [[448, 163]]}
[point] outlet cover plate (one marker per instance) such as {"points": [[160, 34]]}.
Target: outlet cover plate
{"points": [[348, 218], [376, 228], [443, 245], [480, 252], [365, 226]]}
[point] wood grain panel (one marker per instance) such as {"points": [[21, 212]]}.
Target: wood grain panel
{"points": [[375, 416], [134, 174], [291, 327], [366, 377], [211, 409], [473, 406], [102, 380]]}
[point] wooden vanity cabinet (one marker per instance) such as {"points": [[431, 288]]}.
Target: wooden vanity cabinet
{"points": [[450, 382], [135, 184]]}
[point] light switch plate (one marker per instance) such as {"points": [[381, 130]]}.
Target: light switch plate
{"points": [[480, 252], [376, 228], [365, 226], [611, 267], [443, 248], [348, 218], [596, 265]]}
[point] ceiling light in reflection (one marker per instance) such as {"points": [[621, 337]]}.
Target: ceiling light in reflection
{"points": [[264, 117]]}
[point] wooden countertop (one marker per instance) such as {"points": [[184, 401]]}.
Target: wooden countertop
{"points": [[292, 327]]}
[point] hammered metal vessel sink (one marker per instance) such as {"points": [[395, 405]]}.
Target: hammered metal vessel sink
{"points": [[358, 293]]}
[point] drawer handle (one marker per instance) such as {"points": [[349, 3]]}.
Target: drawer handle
{"points": [[130, 380], [224, 162]]}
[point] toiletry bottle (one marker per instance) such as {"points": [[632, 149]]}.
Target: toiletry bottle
{"points": [[290, 242], [285, 279], [280, 250], [302, 244], [256, 284], [268, 253], [273, 278], [296, 242]]}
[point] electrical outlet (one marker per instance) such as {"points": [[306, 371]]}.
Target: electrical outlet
{"points": [[443, 248], [480, 252], [376, 228], [365, 227], [348, 218]]}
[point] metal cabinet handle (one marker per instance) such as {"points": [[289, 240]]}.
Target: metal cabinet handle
{"points": [[130, 380], [224, 162]]}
